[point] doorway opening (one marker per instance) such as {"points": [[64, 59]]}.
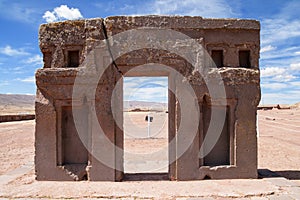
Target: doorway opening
{"points": [[146, 129]]}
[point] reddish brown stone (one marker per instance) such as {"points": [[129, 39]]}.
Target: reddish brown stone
{"points": [[68, 44]]}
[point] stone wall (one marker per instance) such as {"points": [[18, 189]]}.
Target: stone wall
{"points": [[17, 117], [84, 62]]}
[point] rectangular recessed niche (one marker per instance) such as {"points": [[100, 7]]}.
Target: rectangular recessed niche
{"points": [[217, 57], [73, 58], [220, 153], [73, 150], [47, 58], [244, 58]]}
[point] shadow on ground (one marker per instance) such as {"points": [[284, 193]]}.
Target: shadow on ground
{"points": [[288, 174], [146, 177]]}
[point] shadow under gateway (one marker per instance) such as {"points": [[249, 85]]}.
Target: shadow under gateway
{"points": [[288, 174], [262, 173]]}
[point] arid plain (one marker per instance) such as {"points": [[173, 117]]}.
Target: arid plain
{"points": [[278, 163]]}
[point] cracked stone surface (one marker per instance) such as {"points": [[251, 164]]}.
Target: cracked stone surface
{"points": [[179, 47]]}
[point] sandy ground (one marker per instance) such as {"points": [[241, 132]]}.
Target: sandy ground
{"points": [[279, 142], [279, 150], [14, 110], [17, 145], [139, 134]]}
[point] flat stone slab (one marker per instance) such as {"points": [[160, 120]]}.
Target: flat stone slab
{"points": [[25, 186], [259, 189], [238, 188]]}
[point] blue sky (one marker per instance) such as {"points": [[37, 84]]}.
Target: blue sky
{"points": [[280, 36], [150, 89]]}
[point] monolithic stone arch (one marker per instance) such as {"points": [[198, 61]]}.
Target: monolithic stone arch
{"points": [[88, 47]]}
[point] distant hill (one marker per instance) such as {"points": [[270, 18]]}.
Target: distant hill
{"points": [[17, 99], [143, 105], [16, 103], [296, 105]]}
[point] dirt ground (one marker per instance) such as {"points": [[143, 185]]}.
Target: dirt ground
{"points": [[140, 133], [279, 142], [14, 110], [278, 152], [17, 144]]}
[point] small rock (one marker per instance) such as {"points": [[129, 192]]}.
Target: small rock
{"points": [[268, 118]]}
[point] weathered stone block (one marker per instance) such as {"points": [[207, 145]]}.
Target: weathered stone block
{"points": [[214, 89]]}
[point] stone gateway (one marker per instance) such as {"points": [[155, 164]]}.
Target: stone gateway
{"points": [[212, 67]]}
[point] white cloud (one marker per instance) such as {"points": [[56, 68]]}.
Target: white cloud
{"points": [[279, 29], [267, 48], [151, 89], [295, 83], [35, 60], [282, 26], [19, 11], [212, 8], [49, 17], [127, 7], [274, 86], [62, 12], [272, 71], [283, 32], [9, 51], [4, 83], [295, 66], [283, 56], [277, 74], [30, 79], [284, 77], [146, 94], [291, 9], [280, 98], [17, 70]]}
